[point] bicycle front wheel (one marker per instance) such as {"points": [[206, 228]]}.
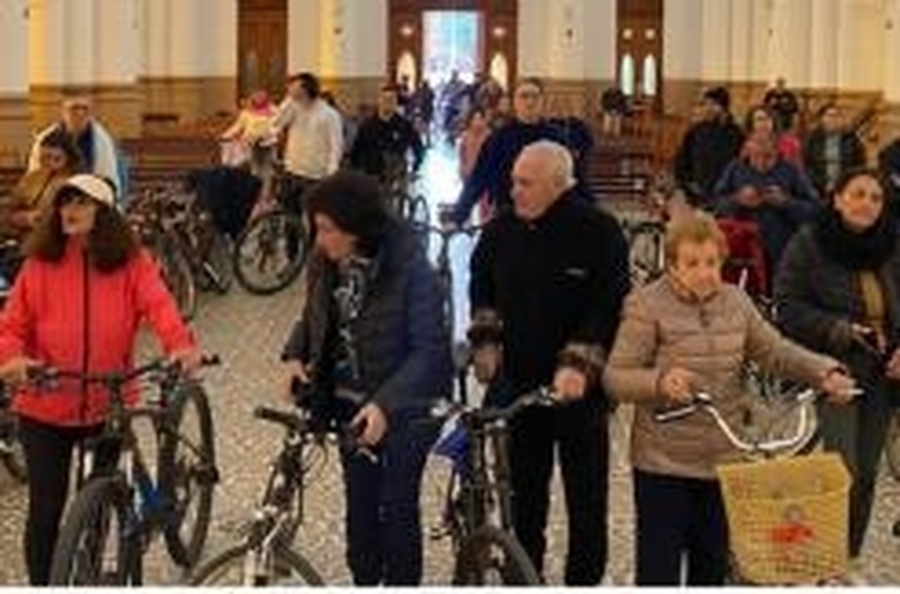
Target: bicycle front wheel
{"points": [[491, 556], [243, 565], [269, 254], [187, 473], [98, 543], [177, 275]]}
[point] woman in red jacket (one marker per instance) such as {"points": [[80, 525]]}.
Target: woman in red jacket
{"points": [[77, 305]]}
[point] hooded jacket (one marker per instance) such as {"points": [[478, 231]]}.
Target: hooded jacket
{"points": [[73, 317]]}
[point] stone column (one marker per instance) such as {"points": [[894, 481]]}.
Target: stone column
{"points": [[353, 49], [117, 98], [14, 118], [683, 54]]}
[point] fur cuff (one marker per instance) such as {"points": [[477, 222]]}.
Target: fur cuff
{"points": [[586, 358], [486, 328]]}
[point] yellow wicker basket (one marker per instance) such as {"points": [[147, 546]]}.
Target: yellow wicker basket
{"points": [[788, 518]]}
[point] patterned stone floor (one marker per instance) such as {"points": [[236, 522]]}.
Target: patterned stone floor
{"points": [[247, 332]]}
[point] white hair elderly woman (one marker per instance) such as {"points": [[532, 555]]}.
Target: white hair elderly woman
{"points": [[685, 333]]}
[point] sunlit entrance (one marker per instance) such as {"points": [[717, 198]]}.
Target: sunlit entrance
{"points": [[451, 43]]}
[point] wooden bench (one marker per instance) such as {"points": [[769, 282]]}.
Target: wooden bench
{"points": [[155, 161]]}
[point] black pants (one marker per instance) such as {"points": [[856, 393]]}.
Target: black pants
{"points": [[48, 455], [384, 532], [581, 432], [677, 516], [858, 432], [293, 199]]}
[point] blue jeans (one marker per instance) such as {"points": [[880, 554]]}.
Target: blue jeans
{"points": [[384, 534]]}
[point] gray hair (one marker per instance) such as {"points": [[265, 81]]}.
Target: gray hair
{"points": [[560, 159]]}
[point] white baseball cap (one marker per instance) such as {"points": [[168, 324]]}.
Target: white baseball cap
{"points": [[96, 187]]}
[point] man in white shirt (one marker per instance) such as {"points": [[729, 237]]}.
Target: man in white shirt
{"points": [[314, 137], [97, 147]]}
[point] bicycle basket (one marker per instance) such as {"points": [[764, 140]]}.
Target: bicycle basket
{"points": [[788, 518]]}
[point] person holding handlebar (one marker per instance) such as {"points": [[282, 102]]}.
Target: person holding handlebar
{"points": [[77, 304], [685, 333], [836, 288], [372, 344]]}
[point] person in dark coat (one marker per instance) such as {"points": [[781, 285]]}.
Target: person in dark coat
{"points": [[763, 187], [496, 158], [783, 104], [838, 291], [385, 140], [372, 346], [831, 149], [548, 279], [707, 148]]}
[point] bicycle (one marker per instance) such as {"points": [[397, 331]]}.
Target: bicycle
{"points": [[270, 252], [646, 250], [121, 499], [151, 218], [265, 555], [787, 515], [477, 515], [11, 453]]}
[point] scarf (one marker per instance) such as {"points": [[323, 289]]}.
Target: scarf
{"points": [[866, 250]]}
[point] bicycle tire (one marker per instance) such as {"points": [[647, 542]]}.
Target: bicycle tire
{"points": [[275, 223], [177, 275], [892, 446], [193, 480], [217, 264], [86, 513], [473, 559], [14, 457], [284, 557]]}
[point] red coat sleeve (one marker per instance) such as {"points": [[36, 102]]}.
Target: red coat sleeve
{"points": [[17, 317], [157, 306]]}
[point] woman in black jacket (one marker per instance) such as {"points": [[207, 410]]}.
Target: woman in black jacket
{"points": [[372, 344], [838, 291]]}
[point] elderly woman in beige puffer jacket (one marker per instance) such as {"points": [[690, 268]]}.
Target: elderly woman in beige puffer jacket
{"points": [[684, 333]]}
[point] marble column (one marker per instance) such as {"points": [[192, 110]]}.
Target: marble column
{"points": [[14, 117]]}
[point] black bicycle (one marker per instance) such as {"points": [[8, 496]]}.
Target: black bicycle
{"points": [[271, 250], [477, 514], [119, 508], [266, 554], [11, 453]]}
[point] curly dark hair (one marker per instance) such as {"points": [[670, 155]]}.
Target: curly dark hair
{"points": [[111, 244], [354, 202]]}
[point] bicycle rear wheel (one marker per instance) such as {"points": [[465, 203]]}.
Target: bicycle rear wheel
{"points": [[98, 543], [241, 565], [493, 556], [187, 473], [177, 275], [269, 254]]}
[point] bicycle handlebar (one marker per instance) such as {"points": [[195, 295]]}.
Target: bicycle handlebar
{"points": [[703, 401], [540, 397], [44, 377], [299, 424]]}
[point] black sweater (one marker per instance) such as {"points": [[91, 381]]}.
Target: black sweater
{"points": [[555, 281]]}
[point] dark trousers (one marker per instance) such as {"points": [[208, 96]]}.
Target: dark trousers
{"points": [[581, 433], [858, 432], [677, 516], [48, 454], [293, 196], [384, 533]]}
